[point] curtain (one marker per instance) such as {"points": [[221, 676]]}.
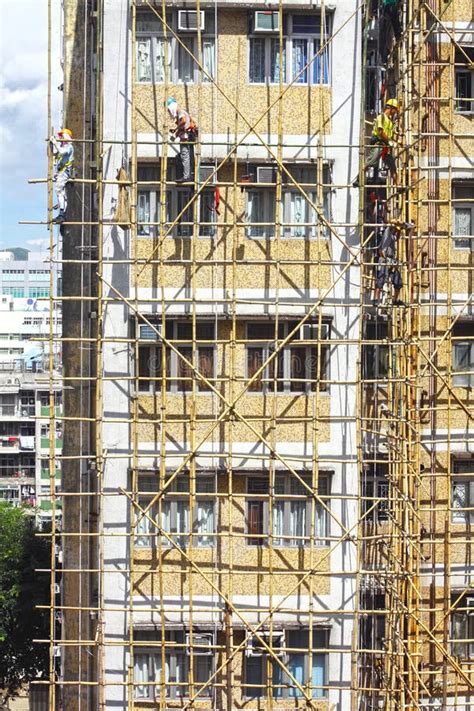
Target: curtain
{"points": [[166, 520], [142, 676], [299, 60], [459, 631], [254, 362], [296, 667], [205, 523], [462, 361], [143, 538], [319, 675], [321, 64], [160, 60], [277, 64], [186, 61], [297, 215], [257, 61], [278, 523], [460, 501], [182, 523], [209, 58], [253, 675], [205, 364], [254, 213], [297, 521], [183, 370], [143, 213], [277, 680], [463, 226], [143, 60]]}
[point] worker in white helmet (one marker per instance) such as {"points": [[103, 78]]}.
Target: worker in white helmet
{"points": [[187, 132], [63, 151]]}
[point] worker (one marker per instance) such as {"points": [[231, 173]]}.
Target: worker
{"points": [[387, 263], [186, 131], [383, 141], [389, 19], [63, 151]]}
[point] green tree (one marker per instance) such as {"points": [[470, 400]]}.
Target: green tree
{"points": [[21, 589]]}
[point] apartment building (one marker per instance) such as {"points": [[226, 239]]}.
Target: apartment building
{"points": [[226, 468], [266, 476]]}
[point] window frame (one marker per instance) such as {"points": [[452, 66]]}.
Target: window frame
{"points": [[463, 70], [279, 691], [173, 497], [172, 655], [260, 500], [462, 475], [313, 227], [462, 377], [289, 35], [283, 362], [463, 204], [172, 375], [376, 485], [464, 617], [175, 50], [176, 197]]}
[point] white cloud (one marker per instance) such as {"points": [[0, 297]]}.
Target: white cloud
{"points": [[24, 89]]}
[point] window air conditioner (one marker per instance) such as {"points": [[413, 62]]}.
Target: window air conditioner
{"points": [[266, 21], [266, 174], [188, 20], [310, 331], [276, 641], [147, 333], [199, 642]]}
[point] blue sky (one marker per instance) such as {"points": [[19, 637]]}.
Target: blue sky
{"points": [[23, 117]]}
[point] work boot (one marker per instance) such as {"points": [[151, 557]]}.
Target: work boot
{"points": [[59, 219]]}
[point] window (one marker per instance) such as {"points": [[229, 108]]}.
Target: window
{"points": [[13, 274], [292, 511], [464, 81], [462, 491], [298, 217], [375, 486], [179, 375], [463, 354], [16, 291], [376, 355], [36, 292], [148, 663], [175, 512], [159, 56], [305, 658], [39, 274], [462, 626], [373, 621], [149, 212], [463, 214], [300, 61], [297, 366]]}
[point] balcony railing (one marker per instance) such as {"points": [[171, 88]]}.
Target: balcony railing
{"points": [[17, 471]]}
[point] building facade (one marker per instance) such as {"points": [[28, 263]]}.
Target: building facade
{"points": [[266, 476]]}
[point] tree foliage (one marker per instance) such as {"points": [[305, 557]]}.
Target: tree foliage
{"points": [[21, 589]]}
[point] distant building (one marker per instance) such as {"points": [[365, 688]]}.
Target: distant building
{"points": [[25, 384]]}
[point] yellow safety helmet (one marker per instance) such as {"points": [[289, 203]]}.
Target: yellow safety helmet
{"points": [[393, 104], [65, 133]]}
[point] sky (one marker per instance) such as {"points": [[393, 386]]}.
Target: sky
{"points": [[23, 117]]}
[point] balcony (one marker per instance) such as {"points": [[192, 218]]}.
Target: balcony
{"points": [[45, 411], [17, 471]]}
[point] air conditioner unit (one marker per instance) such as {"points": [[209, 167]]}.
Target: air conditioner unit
{"points": [[205, 171], [310, 331], [199, 642], [266, 21], [188, 20], [266, 174], [147, 333], [275, 640]]}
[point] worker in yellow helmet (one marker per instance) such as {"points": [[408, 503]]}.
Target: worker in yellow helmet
{"points": [[383, 141], [63, 152]]}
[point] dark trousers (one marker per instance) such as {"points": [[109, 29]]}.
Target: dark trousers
{"points": [[389, 20]]}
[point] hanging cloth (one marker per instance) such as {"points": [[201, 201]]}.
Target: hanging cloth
{"points": [[122, 211]]}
